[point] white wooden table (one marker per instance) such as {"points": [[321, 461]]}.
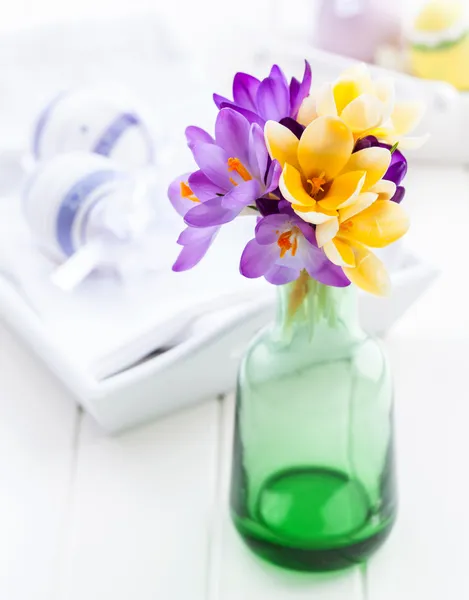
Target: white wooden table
{"points": [[143, 516]]}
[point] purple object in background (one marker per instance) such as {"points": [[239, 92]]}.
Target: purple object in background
{"points": [[357, 28]]}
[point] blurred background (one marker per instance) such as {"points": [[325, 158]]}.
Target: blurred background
{"points": [[103, 517], [192, 48], [208, 15]]}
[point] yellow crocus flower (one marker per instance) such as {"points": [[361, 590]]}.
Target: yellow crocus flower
{"points": [[367, 107], [337, 190]]}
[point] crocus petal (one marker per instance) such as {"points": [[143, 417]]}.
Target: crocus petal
{"points": [[340, 253], [232, 134], [281, 143], [344, 190], [362, 202], [374, 161], [385, 91], [273, 177], [406, 116], [210, 213], [256, 259], [280, 275], [381, 224], [352, 83], [223, 209], [326, 231], [365, 142], [399, 195], [268, 206], [307, 230], [398, 169], [213, 161], [307, 112], [294, 91], [414, 143], [220, 100], [363, 113], [245, 88], [273, 99], [293, 126], [267, 228], [276, 72], [291, 186], [360, 73], [385, 133], [258, 153], [325, 102], [369, 273], [194, 251], [203, 188], [384, 189], [321, 269], [196, 135], [180, 204], [250, 115], [192, 235], [285, 208], [312, 216], [298, 94], [325, 148]]}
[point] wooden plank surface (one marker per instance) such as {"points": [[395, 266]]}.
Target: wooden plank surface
{"points": [[37, 448], [438, 204], [142, 510], [428, 553]]}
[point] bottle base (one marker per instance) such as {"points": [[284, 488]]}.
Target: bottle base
{"points": [[313, 519]]}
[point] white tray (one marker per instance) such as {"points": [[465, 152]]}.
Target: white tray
{"points": [[199, 368]]}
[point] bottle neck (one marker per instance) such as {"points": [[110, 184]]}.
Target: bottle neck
{"points": [[307, 308]]}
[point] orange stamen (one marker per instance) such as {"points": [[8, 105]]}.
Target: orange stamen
{"points": [[285, 243], [316, 184], [186, 192], [234, 164]]}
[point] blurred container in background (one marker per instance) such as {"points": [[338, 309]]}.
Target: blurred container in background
{"points": [[439, 43], [358, 28]]}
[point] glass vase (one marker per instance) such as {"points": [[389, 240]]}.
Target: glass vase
{"points": [[313, 484]]}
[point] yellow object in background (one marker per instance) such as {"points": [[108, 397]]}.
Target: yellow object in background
{"points": [[439, 43]]}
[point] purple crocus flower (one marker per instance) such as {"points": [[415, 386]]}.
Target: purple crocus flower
{"points": [[195, 242], [271, 99], [235, 170], [285, 245], [397, 169]]}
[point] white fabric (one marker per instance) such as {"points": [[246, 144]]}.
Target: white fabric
{"points": [[108, 323]]}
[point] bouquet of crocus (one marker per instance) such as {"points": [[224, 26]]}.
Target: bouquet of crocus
{"points": [[321, 171]]}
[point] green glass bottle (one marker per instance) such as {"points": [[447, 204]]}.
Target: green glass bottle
{"points": [[313, 485]]}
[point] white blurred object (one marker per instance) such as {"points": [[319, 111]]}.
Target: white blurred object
{"points": [[91, 121], [357, 28], [83, 210], [61, 196]]}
